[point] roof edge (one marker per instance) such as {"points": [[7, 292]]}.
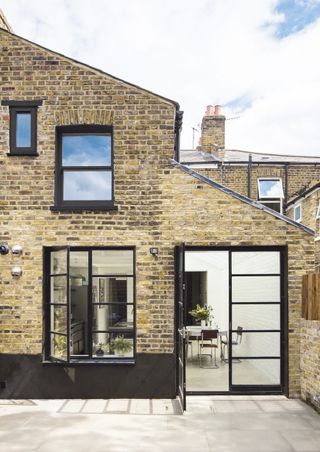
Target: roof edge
{"points": [[92, 68], [303, 194], [240, 197]]}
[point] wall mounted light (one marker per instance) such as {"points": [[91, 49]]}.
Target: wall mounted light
{"points": [[16, 272], [154, 251], [4, 249], [16, 250]]}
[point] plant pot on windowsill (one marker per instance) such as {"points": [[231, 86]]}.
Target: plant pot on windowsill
{"points": [[121, 346]]}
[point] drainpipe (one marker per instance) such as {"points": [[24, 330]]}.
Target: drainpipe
{"points": [[249, 175], [285, 184]]}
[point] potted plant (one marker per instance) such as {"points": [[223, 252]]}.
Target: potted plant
{"points": [[100, 351], [120, 345], [202, 314]]}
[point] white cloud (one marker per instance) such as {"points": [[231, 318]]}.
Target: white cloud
{"points": [[197, 52]]}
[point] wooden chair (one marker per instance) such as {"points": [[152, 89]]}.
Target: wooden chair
{"points": [[212, 336]]}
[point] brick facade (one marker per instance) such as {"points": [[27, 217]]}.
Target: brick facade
{"points": [[157, 205]]}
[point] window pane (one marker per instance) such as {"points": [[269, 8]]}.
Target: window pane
{"points": [[297, 213], [115, 316], [79, 301], [112, 262], [112, 345], [86, 150], [257, 344], [256, 372], [59, 319], [23, 132], [58, 289], [255, 289], [256, 317], [272, 205], [87, 186], [58, 262], [270, 188], [58, 346], [112, 290], [255, 262]]}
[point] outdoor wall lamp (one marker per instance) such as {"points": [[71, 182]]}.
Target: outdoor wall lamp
{"points": [[154, 252], [16, 250], [16, 272], [4, 249]]}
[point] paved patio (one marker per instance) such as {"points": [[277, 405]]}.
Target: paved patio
{"points": [[242, 424]]}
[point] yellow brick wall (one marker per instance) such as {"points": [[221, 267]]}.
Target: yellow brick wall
{"points": [[157, 204]]}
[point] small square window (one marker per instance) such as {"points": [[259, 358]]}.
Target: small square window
{"points": [[297, 213], [23, 130]]}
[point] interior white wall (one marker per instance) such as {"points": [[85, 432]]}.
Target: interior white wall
{"points": [[215, 263]]}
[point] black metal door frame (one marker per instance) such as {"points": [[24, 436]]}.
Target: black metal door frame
{"points": [[246, 389], [180, 321]]}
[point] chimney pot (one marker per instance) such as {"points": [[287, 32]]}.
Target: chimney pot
{"points": [[217, 110], [209, 110]]}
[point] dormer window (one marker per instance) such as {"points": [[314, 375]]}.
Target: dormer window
{"points": [[270, 193], [84, 167]]}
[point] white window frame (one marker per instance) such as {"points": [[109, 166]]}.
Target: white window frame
{"points": [[318, 212], [296, 207], [265, 200]]}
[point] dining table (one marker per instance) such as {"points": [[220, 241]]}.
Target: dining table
{"points": [[195, 332]]}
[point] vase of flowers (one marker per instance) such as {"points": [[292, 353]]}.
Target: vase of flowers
{"points": [[202, 314]]}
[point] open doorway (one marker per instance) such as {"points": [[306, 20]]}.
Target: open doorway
{"points": [[207, 282]]}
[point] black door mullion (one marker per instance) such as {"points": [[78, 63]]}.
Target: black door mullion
{"points": [[90, 304]]}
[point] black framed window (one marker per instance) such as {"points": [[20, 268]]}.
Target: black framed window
{"points": [[23, 126], [89, 304], [84, 167]]}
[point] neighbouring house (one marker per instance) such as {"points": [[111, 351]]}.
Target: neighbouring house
{"points": [[115, 236]]}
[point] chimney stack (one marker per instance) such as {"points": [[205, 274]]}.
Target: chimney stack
{"points": [[213, 129]]}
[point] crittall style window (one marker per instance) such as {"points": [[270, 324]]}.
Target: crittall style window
{"points": [[84, 167], [90, 304], [23, 127], [270, 193]]}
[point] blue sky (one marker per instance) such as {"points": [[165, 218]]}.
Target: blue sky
{"points": [[257, 58], [297, 14]]}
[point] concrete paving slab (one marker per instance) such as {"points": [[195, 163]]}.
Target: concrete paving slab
{"points": [[211, 424]]}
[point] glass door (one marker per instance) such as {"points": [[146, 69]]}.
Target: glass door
{"points": [[255, 321], [180, 335]]}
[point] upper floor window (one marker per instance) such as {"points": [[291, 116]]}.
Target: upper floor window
{"points": [[318, 212], [23, 127], [84, 167], [270, 193], [297, 213]]}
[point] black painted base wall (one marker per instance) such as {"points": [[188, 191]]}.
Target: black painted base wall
{"points": [[25, 376]]}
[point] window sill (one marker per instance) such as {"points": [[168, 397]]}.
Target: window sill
{"points": [[98, 362], [82, 208], [22, 154]]}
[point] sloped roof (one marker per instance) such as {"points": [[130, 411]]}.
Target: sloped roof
{"points": [[87, 66], [303, 194], [240, 197], [238, 156]]}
